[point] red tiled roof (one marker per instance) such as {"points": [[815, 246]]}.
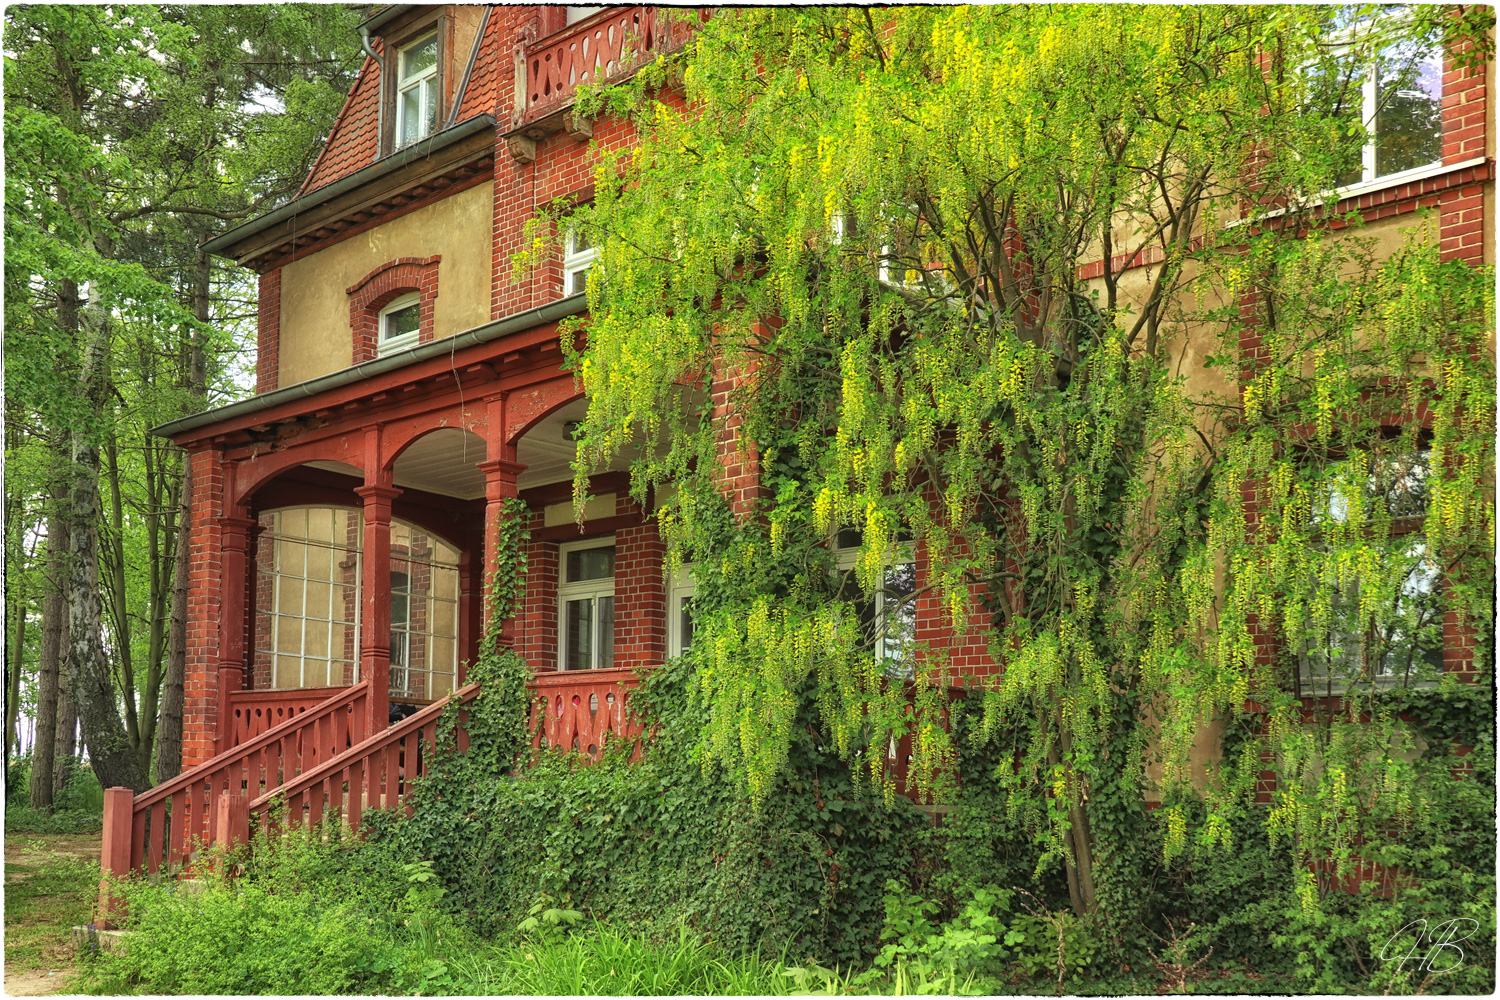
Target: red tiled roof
{"points": [[354, 141], [483, 93]]}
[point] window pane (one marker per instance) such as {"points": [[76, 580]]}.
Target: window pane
{"points": [[429, 107], [401, 322], [606, 632], [1413, 639], [900, 618], [1409, 110], [411, 116], [685, 623], [419, 58], [578, 633], [591, 564]]}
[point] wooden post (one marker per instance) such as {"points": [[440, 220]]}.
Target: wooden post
{"points": [[234, 821], [119, 809]]}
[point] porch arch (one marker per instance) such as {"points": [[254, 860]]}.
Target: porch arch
{"points": [[251, 474]]}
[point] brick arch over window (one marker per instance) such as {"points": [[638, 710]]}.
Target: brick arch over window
{"points": [[379, 288]]}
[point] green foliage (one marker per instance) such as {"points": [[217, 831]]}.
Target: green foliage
{"points": [[79, 809], [309, 916]]}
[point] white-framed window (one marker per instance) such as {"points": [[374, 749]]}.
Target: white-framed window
{"points": [[576, 14], [889, 615], [399, 325], [416, 90], [680, 611], [586, 605], [1398, 99], [578, 256], [1399, 644]]}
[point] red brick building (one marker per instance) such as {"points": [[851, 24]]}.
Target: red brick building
{"points": [[409, 383]]}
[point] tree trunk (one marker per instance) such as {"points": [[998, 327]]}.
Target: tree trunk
{"points": [[15, 664], [65, 749], [169, 734], [110, 752], [54, 626], [112, 564]]}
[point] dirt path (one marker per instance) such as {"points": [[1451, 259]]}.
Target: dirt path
{"points": [[50, 884]]}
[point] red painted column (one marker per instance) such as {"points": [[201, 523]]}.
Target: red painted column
{"points": [[234, 535], [375, 618]]}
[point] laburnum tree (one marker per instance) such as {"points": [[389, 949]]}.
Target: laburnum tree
{"points": [[1053, 297]]}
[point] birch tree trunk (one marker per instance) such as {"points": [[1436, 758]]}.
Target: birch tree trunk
{"points": [[110, 751]]}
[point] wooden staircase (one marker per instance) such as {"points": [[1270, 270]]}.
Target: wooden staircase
{"points": [[322, 764]]}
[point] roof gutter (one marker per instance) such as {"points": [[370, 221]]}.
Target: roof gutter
{"points": [[378, 20], [469, 126], [549, 313]]}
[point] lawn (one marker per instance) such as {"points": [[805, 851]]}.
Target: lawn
{"points": [[51, 884]]}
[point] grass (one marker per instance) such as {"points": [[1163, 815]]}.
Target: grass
{"points": [[604, 961], [51, 884]]}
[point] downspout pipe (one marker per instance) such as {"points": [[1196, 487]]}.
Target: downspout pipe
{"points": [[369, 50]]}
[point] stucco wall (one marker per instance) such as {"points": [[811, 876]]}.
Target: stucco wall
{"points": [[315, 333]]}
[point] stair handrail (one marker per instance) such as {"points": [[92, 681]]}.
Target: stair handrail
{"points": [[187, 778], [371, 744]]}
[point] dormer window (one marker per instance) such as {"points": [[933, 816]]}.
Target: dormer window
{"points": [[399, 325], [416, 90]]}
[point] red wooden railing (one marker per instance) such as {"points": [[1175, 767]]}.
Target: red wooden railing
{"points": [[597, 49], [251, 713], [580, 709], [374, 774], [158, 829]]}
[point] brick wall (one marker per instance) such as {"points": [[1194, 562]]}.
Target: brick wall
{"points": [[1465, 136], [536, 632]]}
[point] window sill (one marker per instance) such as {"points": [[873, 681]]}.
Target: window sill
{"points": [[1342, 197], [396, 346]]}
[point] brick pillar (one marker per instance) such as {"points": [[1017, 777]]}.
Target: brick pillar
{"points": [[234, 535], [739, 459], [640, 590], [375, 624], [500, 484], [201, 674]]}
